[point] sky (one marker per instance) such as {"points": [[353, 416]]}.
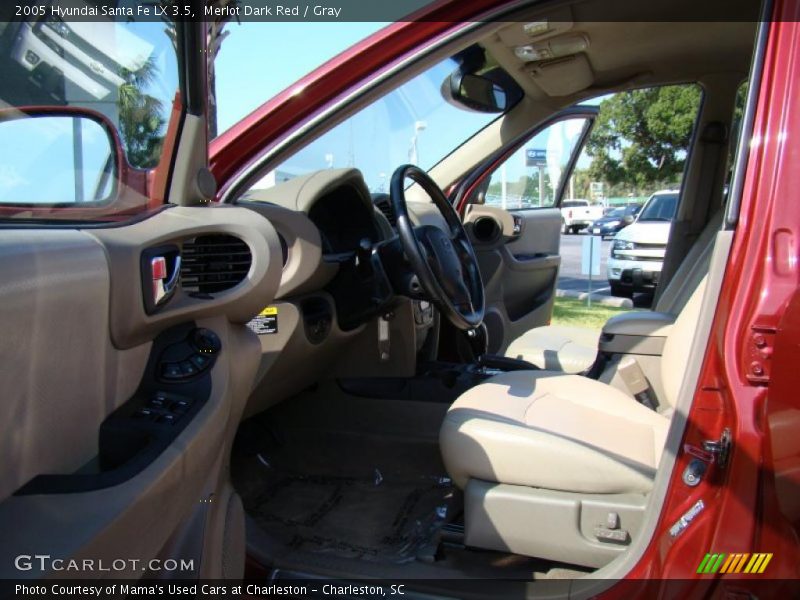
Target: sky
{"points": [[258, 60]]}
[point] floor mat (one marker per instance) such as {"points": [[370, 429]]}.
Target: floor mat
{"points": [[350, 495]]}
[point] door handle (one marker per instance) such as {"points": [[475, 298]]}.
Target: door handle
{"points": [[164, 285]]}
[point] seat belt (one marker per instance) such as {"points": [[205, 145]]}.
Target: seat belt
{"points": [[636, 381]]}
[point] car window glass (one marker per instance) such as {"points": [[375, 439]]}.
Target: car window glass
{"points": [[237, 87], [415, 123], [736, 125], [532, 175], [660, 208], [638, 145], [86, 103]]}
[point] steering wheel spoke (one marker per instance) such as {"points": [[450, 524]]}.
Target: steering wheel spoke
{"points": [[442, 259]]}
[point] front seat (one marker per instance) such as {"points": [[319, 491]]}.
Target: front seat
{"points": [[559, 466], [574, 349]]}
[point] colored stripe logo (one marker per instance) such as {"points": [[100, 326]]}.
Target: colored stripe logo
{"points": [[738, 562]]}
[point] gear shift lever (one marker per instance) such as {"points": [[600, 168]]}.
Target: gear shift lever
{"points": [[478, 341]]}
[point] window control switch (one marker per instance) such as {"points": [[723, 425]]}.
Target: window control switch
{"points": [[158, 402], [180, 406]]}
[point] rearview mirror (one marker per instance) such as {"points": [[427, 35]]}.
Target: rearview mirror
{"points": [[478, 93], [57, 156]]}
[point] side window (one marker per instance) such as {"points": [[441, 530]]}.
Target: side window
{"points": [[736, 127], [638, 145], [533, 174], [84, 108]]}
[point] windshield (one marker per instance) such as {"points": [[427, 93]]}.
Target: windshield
{"points": [[661, 207], [412, 124], [617, 212]]}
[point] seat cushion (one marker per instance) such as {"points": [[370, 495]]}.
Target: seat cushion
{"points": [[554, 431], [557, 348]]}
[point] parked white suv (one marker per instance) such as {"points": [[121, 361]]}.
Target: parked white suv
{"points": [[637, 252]]}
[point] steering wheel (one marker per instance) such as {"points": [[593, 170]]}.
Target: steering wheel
{"points": [[443, 261]]}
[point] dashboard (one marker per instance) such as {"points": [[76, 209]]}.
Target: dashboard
{"points": [[343, 221], [329, 312]]}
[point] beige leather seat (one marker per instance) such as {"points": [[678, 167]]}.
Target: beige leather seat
{"points": [[565, 432], [557, 348], [574, 349], [554, 431], [539, 444]]}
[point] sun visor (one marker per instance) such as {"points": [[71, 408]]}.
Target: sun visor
{"points": [[562, 76]]}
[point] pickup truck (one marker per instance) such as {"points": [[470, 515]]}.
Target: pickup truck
{"points": [[578, 214]]}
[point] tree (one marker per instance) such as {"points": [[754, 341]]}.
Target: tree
{"points": [[141, 117], [215, 36], [641, 137]]}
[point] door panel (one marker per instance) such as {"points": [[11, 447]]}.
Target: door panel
{"points": [[514, 223], [112, 454], [519, 265]]}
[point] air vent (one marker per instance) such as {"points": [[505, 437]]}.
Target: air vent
{"points": [[214, 263], [486, 230], [384, 205]]}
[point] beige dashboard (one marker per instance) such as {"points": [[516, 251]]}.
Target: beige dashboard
{"points": [[301, 337]]}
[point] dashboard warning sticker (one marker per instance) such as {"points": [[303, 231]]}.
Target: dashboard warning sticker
{"points": [[266, 322]]}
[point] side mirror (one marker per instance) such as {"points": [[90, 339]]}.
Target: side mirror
{"points": [[58, 156], [478, 93], [628, 219]]}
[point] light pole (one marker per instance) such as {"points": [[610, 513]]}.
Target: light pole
{"points": [[413, 150]]}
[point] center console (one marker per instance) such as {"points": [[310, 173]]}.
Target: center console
{"points": [[435, 381], [629, 354], [636, 333]]}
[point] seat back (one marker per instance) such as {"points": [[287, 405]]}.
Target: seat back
{"points": [[675, 357], [692, 269]]}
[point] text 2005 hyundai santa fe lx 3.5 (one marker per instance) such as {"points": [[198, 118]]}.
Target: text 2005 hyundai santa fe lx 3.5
{"points": [[324, 343]]}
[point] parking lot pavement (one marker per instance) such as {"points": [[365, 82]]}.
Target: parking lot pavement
{"points": [[572, 280], [570, 277]]}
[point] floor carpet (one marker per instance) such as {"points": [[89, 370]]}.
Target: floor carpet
{"points": [[368, 497]]}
